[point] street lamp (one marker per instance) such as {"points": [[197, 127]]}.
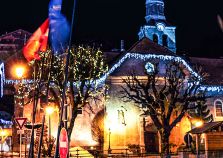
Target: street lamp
{"points": [[109, 141], [19, 71], [49, 112], [198, 123]]}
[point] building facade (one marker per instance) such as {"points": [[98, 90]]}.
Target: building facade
{"points": [[156, 42]]}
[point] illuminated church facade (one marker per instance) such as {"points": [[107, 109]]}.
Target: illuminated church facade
{"points": [[125, 123]]}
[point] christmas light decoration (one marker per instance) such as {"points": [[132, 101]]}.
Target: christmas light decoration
{"points": [[146, 57], [149, 67], [4, 122], [2, 73], [143, 57]]}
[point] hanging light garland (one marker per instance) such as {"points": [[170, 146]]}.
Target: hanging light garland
{"points": [[129, 55]]}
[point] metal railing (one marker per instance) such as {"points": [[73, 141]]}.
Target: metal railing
{"points": [[126, 153]]}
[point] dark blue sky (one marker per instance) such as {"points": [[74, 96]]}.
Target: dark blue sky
{"points": [[198, 33]]}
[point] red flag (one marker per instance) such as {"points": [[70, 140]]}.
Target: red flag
{"points": [[37, 42]]}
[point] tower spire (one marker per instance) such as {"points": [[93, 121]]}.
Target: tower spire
{"points": [[156, 28], [154, 11]]}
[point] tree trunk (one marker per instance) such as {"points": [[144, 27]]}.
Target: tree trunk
{"points": [[165, 145], [72, 121]]}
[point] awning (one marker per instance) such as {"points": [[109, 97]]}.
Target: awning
{"points": [[206, 127]]}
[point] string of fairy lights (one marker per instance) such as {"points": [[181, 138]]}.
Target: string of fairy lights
{"points": [[5, 122], [2, 74], [144, 57], [99, 72]]}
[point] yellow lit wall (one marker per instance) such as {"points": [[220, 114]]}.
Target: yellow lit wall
{"points": [[124, 123]]}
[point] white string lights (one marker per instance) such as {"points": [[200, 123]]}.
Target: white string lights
{"points": [[146, 57]]}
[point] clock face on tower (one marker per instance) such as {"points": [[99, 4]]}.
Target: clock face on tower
{"points": [[160, 26]]}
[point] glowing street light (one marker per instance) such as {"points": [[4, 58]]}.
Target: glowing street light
{"points": [[199, 123], [49, 110], [19, 71]]}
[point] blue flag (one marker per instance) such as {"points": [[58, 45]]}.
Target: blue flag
{"points": [[59, 27]]}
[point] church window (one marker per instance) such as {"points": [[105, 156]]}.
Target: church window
{"points": [[165, 44], [162, 67], [218, 107], [147, 11], [155, 38], [153, 9], [161, 10]]}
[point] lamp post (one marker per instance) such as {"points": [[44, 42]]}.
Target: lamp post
{"points": [[109, 141], [3, 135], [19, 71], [49, 111], [198, 123]]}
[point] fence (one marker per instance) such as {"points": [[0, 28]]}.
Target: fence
{"points": [[126, 153]]}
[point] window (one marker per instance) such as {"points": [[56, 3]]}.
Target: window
{"points": [[165, 41], [155, 38], [218, 108]]}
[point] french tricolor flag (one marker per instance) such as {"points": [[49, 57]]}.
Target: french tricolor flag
{"points": [[58, 28], [37, 42]]}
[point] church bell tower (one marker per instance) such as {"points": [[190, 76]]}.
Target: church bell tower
{"points": [[154, 10], [156, 28]]}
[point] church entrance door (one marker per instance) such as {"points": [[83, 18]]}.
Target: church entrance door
{"points": [[151, 145]]}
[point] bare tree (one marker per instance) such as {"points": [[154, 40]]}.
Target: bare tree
{"points": [[164, 97], [201, 112]]}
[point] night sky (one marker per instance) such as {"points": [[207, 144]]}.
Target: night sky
{"points": [[198, 33]]}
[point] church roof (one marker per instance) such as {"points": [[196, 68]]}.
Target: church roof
{"points": [[214, 68], [12, 42], [15, 33], [146, 46], [143, 46], [10, 49]]}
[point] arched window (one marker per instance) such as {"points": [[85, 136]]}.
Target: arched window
{"points": [[165, 44], [155, 38], [218, 107]]}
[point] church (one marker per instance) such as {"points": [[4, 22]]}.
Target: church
{"points": [[124, 124], [156, 41]]}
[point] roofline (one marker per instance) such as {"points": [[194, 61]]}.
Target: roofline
{"points": [[3, 35], [136, 55]]}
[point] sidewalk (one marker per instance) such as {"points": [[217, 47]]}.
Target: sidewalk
{"points": [[10, 154]]}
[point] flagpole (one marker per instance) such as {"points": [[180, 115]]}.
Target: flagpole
{"points": [[65, 85]]}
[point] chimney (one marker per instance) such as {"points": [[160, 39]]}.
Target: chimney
{"points": [[122, 46]]}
